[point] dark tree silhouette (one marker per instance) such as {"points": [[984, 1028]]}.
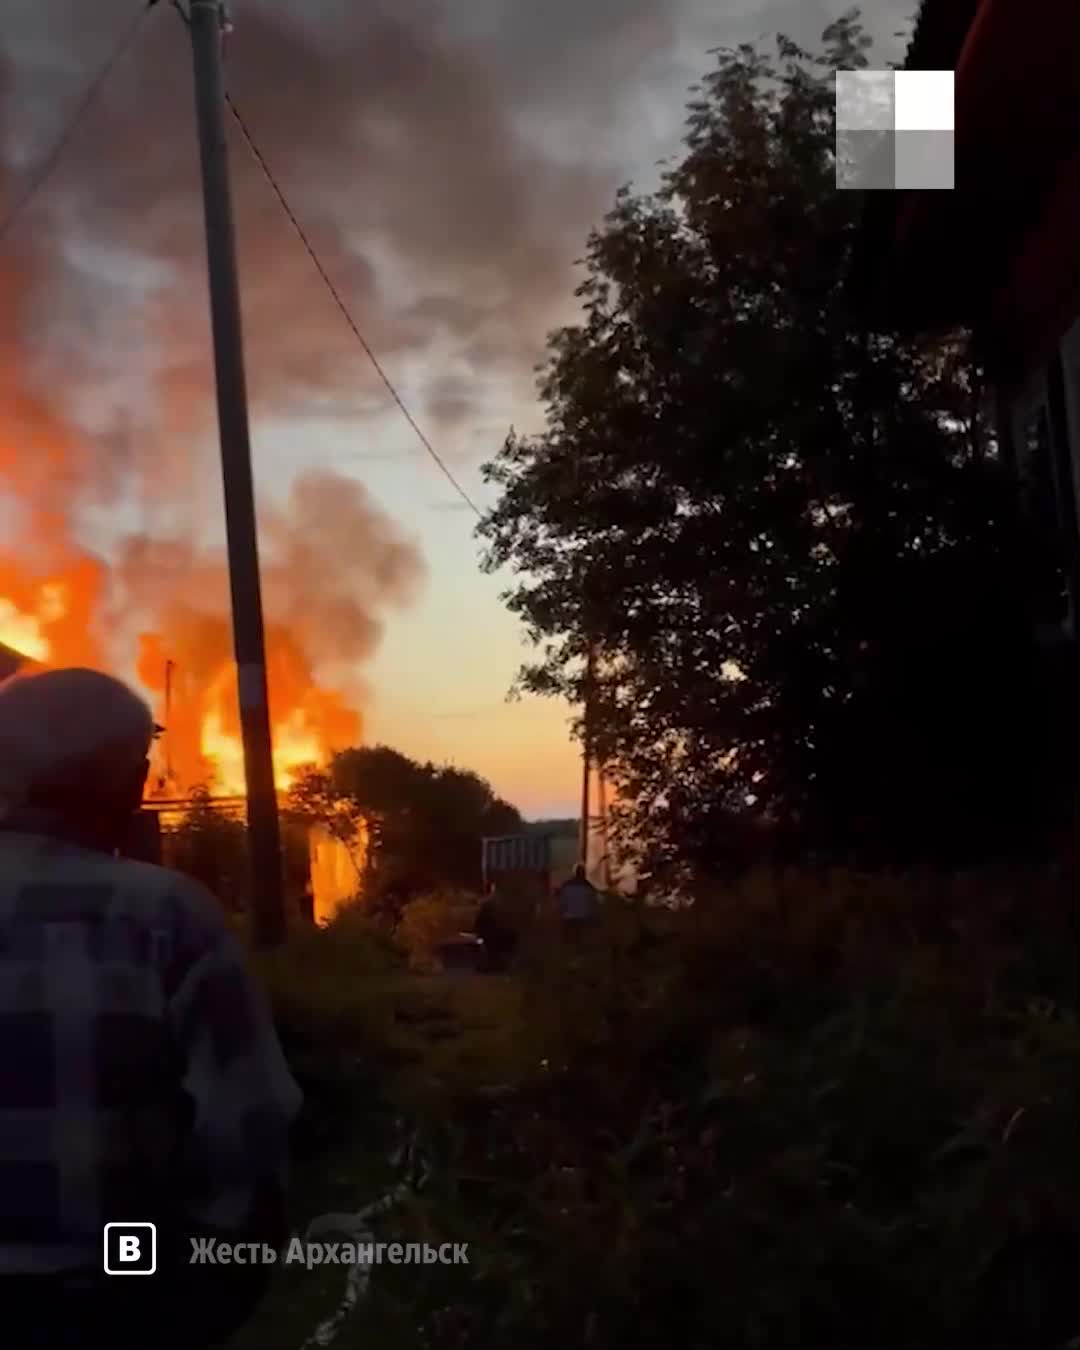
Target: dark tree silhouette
{"points": [[425, 821], [793, 543]]}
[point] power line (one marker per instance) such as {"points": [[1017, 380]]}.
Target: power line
{"points": [[260, 159], [45, 169]]}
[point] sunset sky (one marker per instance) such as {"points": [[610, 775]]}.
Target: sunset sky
{"points": [[447, 158]]}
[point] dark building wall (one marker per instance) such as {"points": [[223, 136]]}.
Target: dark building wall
{"points": [[10, 661], [939, 32]]}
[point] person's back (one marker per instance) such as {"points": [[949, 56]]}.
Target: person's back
{"points": [[577, 898], [141, 1082]]}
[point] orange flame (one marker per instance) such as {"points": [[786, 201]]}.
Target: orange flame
{"points": [[199, 706], [50, 618], [192, 677]]}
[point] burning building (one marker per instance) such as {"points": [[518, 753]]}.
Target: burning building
{"points": [[190, 675], [193, 678], [199, 745], [332, 563]]}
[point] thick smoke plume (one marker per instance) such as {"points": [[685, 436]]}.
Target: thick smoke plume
{"points": [[446, 159], [423, 145], [411, 140], [332, 565]]}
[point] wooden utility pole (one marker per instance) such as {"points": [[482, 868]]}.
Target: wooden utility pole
{"points": [[207, 26], [586, 753], [583, 833], [601, 793], [169, 666]]}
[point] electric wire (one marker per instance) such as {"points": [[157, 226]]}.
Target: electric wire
{"points": [[260, 159]]}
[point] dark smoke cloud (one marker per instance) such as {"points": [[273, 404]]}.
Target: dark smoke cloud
{"points": [[408, 137], [336, 564], [333, 567], [446, 157]]}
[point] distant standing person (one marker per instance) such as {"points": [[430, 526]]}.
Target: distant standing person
{"points": [[578, 902]]}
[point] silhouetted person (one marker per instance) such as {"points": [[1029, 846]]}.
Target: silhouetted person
{"points": [[493, 928], [140, 1075], [578, 902]]}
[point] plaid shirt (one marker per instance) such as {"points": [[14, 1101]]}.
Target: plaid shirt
{"points": [[140, 1074]]}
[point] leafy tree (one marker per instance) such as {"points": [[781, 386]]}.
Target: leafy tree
{"points": [[425, 822], [211, 847], [790, 542], [313, 799]]}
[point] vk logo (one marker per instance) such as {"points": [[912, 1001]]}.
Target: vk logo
{"points": [[130, 1249]]}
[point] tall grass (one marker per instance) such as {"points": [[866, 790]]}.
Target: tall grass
{"points": [[824, 1110]]}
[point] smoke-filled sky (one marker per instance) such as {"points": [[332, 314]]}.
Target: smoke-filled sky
{"points": [[447, 158]]}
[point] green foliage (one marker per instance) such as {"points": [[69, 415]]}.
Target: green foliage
{"points": [[313, 799], [367, 1039], [326, 987], [211, 846], [432, 919], [793, 1119], [814, 1110], [426, 821], [791, 542]]}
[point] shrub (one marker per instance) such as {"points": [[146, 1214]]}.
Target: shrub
{"points": [[432, 919], [823, 1111], [211, 846], [326, 987], [815, 1110]]}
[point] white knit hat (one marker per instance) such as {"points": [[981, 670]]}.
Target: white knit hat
{"points": [[62, 731]]}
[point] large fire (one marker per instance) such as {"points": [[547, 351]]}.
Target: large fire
{"points": [[191, 676], [194, 678], [50, 619]]}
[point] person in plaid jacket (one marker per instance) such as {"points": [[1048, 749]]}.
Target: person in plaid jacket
{"points": [[141, 1078]]}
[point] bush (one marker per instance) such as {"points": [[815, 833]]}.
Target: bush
{"points": [[326, 990], [211, 846], [432, 919], [815, 1110], [830, 1111]]}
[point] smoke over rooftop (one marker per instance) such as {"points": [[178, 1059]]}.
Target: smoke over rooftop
{"points": [[446, 160]]}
